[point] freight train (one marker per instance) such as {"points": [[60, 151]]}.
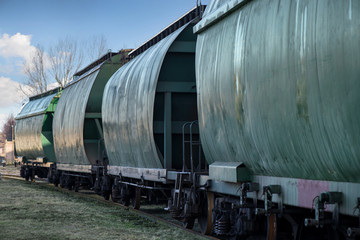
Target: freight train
{"points": [[244, 118]]}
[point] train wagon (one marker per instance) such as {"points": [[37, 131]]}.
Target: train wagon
{"points": [[77, 126], [277, 85], [148, 107], [33, 133], [246, 121]]}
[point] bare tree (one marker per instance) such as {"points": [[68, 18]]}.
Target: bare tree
{"points": [[8, 128], [66, 59], [35, 70], [96, 47]]}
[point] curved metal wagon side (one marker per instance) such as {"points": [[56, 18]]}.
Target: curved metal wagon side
{"points": [[33, 133]]}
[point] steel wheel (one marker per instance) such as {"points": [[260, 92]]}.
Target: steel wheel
{"points": [[135, 199], [27, 174], [115, 192], [62, 181], [205, 219], [188, 223], [124, 195], [271, 227]]}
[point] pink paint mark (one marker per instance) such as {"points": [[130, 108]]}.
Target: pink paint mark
{"points": [[308, 190]]}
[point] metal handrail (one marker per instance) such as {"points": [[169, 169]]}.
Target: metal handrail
{"points": [[191, 144], [183, 138]]}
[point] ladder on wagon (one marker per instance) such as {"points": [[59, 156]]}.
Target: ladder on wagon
{"points": [[185, 205], [191, 144]]}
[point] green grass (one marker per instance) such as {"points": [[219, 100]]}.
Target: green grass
{"points": [[33, 211]]}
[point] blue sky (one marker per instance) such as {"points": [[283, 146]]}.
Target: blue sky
{"points": [[24, 24]]}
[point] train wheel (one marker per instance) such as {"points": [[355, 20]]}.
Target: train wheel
{"points": [[106, 196], [77, 185], [62, 181], [56, 179], [115, 194], [68, 182], [135, 198], [188, 223], [271, 227], [32, 175], [22, 171], [27, 174], [106, 187], [124, 195], [207, 205]]}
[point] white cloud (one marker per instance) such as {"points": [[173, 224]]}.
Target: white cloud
{"points": [[10, 92], [16, 53], [17, 45], [11, 98]]}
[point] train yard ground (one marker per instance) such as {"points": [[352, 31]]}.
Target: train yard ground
{"points": [[10, 170], [41, 211]]}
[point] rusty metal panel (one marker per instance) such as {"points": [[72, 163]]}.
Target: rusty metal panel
{"points": [[28, 128], [128, 108], [68, 124], [278, 88]]}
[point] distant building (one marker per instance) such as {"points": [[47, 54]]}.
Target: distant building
{"points": [[7, 151], [2, 147]]}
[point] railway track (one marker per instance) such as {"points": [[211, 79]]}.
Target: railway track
{"points": [[88, 194]]}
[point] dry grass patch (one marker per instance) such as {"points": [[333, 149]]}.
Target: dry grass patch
{"points": [[32, 211], [10, 169]]}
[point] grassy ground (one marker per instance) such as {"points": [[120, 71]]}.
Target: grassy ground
{"points": [[32, 211]]}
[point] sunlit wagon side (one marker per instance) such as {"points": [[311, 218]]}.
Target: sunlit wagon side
{"points": [[33, 134], [77, 126]]}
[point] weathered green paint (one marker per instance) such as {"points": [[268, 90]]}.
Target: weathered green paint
{"points": [[167, 131], [93, 115], [229, 172], [77, 124], [278, 87], [176, 127], [99, 128], [180, 87], [146, 99], [47, 130], [33, 131], [183, 47], [177, 82]]}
